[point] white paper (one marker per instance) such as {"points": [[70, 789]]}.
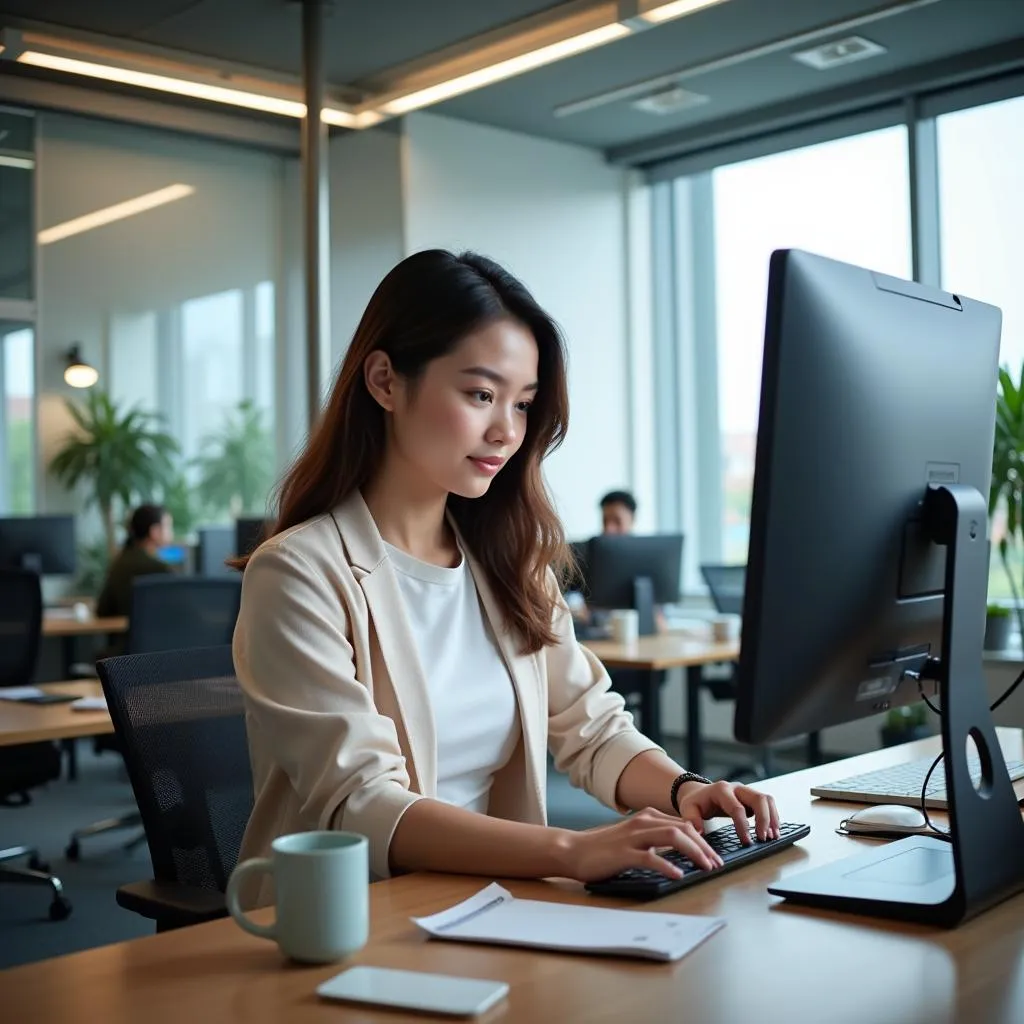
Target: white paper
{"points": [[19, 692], [89, 704], [495, 915]]}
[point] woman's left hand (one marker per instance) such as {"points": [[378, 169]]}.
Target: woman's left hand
{"points": [[698, 801]]}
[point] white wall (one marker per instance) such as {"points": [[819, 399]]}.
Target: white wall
{"points": [[555, 216], [365, 175]]}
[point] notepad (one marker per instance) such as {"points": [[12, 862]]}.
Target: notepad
{"points": [[90, 704], [494, 915], [19, 692]]}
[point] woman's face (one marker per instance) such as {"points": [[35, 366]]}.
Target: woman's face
{"points": [[465, 417]]}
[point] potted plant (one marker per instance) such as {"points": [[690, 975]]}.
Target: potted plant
{"points": [[121, 458], [904, 724], [236, 465], [997, 627], [1006, 493]]}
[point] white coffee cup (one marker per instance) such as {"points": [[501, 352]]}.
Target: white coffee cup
{"points": [[725, 628], [321, 886], [625, 623]]}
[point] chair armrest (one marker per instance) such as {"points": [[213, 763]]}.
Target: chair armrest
{"points": [[170, 904]]}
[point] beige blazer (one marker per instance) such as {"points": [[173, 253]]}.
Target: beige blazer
{"points": [[341, 732]]}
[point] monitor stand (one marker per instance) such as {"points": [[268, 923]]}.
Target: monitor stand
{"points": [[32, 562], [925, 879], [643, 602]]}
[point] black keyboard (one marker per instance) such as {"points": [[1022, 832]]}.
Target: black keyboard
{"points": [[649, 884]]}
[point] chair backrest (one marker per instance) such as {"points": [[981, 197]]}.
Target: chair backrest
{"points": [[175, 612], [726, 583], [21, 623], [180, 721]]}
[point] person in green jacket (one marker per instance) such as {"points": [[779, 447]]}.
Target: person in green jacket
{"points": [[149, 529]]}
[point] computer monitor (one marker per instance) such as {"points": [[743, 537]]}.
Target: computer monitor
{"points": [[575, 578], [868, 560], [216, 544], [249, 534], [725, 583], [44, 544], [174, 555], [633, 571]]}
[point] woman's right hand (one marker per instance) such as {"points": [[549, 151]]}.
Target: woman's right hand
{"points": [[599, 853]]}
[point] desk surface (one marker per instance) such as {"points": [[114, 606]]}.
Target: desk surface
{"points": [[770, 963], [665, 650], [65, 625], [29, 723]]}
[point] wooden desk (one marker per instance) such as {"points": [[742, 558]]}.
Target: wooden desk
{"points": [[65, 626], [654, 654], [770, 963], [29, 723]]}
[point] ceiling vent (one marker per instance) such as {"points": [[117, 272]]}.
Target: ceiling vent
{"points": [[840, 51], [669, 101]]}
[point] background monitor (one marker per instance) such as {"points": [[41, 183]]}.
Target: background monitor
{"points": [[872, 389], [44, 544], [725, 583], [174, 555], [249, 534], [216, 544], [634, 571]]}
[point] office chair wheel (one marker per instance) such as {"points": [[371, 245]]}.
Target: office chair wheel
{"points": [[60, 909], [35, 863], [72, 851]]}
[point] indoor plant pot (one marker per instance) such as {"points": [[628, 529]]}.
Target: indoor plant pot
{"points": [[997, 628]]}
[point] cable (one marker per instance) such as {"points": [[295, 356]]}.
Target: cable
{"points": [[1013, 686], [941, 832]]}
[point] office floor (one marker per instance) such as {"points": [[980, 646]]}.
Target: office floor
{"points": [[26, 934]]}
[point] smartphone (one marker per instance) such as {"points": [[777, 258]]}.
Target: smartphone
{"points": [[414, 990]]}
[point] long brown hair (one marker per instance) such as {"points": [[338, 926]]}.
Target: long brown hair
{"points": [[421, 310]]}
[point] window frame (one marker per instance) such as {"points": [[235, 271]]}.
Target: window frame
{"points": [[688, 456]]}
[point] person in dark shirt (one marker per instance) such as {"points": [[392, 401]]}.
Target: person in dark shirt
{"points": [[149, 529]]}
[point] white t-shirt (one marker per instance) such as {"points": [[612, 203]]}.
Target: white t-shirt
{"points": [[471, 692]]}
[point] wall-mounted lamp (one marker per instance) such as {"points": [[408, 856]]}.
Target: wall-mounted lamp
{"points": [[78, 373]]}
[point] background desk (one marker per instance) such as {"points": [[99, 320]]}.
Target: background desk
{"points": [[770, 963], [654, 654], [29, 723], [68, 629]]}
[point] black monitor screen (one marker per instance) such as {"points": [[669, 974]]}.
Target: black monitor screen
{"points": [[616, 561], [872, 390], [44, 544], [249, 534]]}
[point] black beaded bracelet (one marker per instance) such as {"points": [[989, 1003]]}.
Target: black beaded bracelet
{"points": [[681, 781]]}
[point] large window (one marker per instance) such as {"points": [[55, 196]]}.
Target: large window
{"points": [[981, 209], [17, 389], [172, 292], [848, 199]]}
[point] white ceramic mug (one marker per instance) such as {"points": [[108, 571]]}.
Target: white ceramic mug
{"points": [[725, 628], [625, 624], [321, 886]]}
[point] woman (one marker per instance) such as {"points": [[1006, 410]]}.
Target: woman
{"points": [[406, 657], [149, 529]]}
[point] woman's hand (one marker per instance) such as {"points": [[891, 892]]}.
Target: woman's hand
{"points": [[698, 801], [632, 843]]}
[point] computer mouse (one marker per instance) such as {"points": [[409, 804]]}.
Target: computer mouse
{"points": [[893, 818]]}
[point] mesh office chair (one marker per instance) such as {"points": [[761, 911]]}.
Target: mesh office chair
{"points": [[726, 584], [27, 765], [170, 613], [181, 721]]}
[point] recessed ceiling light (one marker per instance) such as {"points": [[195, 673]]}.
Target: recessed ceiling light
{"points": [[669, 101], [839, 51]]}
